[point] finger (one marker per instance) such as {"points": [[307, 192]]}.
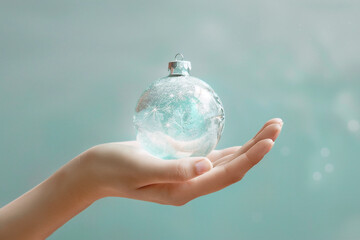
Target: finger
{"points": [[180, 170], [217, 154], [225, 175], [243, 163], [224, 160], [269, 122], [272, 131], [131, 143]]}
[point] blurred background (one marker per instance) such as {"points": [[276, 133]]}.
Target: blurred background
{"points": [[71, 73]]}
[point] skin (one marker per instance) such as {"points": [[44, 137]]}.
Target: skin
{"points": [[124, 169]]}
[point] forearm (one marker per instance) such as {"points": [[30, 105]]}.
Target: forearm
{"points": [[45, 208]]}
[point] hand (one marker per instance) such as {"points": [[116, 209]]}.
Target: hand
{"points": [[126, 170]]}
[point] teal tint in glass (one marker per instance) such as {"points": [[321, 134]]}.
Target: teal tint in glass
{"points": [[179, 115]]}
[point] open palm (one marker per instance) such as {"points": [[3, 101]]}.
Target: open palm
{"points": [[132, 172]]}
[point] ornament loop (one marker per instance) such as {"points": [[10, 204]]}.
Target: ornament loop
{"points": [[179, 54], [179, 67]]}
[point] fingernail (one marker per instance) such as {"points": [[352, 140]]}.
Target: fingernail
{"points": [[281, 122], [202, 166], [270, 142]]}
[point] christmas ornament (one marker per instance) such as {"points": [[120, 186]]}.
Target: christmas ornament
{"points": [[179, 115]]}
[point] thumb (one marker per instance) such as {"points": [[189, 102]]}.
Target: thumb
{"points": [[184, 169]]}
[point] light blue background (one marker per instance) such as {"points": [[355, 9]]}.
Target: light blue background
{"points": [[72, 71]]}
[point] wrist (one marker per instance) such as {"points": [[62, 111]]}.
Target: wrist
{"points": [[50, 204], [79, 176]]}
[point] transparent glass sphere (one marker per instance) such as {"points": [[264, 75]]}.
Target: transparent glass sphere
{"points": [[179, 116]]}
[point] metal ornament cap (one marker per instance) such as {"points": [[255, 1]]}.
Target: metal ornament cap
{"points": [[179, 67]]}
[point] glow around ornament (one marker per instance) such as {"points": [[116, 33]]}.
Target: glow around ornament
{"points": [[179, 115]]}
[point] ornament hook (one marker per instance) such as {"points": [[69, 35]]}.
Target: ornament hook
{"points": [[179, 54]]}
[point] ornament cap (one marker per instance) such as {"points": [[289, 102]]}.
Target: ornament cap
{"points": [[179, 67]]}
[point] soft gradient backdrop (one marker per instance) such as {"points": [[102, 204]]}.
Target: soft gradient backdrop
{"points": [[72, 71]]}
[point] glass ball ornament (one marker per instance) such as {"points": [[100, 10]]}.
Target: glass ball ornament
{"points": [[179, 115]]}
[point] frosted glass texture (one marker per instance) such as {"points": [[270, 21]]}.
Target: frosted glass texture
{"points": [[179, 116]]}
